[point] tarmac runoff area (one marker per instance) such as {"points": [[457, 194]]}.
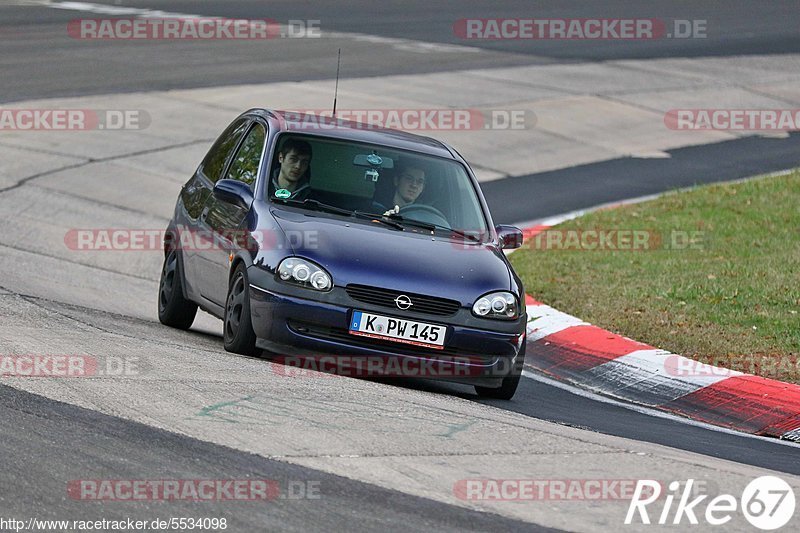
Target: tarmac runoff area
{"points": [[506, 122], [55, 300]]}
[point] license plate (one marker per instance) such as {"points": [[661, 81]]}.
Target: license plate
{"points": [[397, 330]]}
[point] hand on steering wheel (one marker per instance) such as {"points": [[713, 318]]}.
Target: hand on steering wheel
{"points": [[424, 209]]}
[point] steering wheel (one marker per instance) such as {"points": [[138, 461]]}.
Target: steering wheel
{"points": [[424, 213]]}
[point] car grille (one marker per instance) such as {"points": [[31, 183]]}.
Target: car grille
{"points": [[385, 298]]}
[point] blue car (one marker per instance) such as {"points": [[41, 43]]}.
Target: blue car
{"points": [[363, 250]]}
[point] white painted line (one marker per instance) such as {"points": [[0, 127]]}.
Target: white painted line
{"points": [[558, 219], [793, 435], [583, 393], [102, 9], [407, 45]]}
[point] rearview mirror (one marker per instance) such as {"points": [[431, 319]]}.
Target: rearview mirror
{"points": [[234, 192], [510, 236]]}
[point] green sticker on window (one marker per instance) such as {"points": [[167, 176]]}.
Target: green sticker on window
{"points": [[282, 193]]}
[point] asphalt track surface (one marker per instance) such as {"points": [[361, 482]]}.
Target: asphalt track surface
{"points": [[555, 404], [37, 64], [71, 441], [38, 60], [580, 187]]}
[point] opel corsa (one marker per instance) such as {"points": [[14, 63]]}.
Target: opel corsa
{"points": [[316, 237]]}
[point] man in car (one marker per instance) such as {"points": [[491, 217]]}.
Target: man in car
{"points": [[290, 179], [409, 184]]}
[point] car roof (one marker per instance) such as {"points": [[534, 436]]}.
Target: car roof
{"points": [[325, 126]]}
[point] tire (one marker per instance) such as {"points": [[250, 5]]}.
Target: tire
{"points": [[174, 309], [238, 334], [509, 387]]}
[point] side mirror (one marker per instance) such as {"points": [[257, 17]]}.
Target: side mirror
{"points": [[510, 236], [234, 192]]}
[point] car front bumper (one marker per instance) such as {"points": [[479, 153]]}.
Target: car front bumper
{"points": [[302, 329]]}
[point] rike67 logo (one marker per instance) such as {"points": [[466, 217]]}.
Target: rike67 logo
{"points": [[767, 502]]}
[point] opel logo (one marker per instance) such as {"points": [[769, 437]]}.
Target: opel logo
{"points": [[403, 302]]}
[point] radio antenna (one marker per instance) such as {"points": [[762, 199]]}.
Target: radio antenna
{"points": [[336, 90]]}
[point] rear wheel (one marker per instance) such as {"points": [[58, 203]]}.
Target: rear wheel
{"points": [[509, 386], [239, 336], [173, 309]]}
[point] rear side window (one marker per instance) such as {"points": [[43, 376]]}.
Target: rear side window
{"points": [[244, 166], [214, 163]]}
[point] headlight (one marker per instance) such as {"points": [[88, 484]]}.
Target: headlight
{"points": [[304, 273], [502, 305]]}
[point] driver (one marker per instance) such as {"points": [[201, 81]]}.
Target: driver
{"points": [[409, 184], [290, 179]]}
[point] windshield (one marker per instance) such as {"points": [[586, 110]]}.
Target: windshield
{"points": [[408, 189]]}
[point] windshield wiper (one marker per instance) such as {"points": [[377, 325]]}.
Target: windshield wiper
{"points": [[433, 227], [316, 205], [377, 218], [319, 206]]}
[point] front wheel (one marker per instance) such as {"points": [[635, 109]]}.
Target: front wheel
{"points": [[239, 336], [173, 308], [510, 383]]}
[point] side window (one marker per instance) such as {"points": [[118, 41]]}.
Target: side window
{"points": [[214, 163], [244, 166]]}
